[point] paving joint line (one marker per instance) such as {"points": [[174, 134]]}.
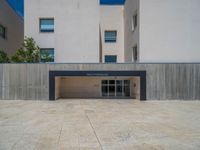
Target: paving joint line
{"points": [[94, 131]]}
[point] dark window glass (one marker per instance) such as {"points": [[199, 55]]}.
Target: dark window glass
{"points": [[111, 90], [47, 55], [119, 82], [126, 87], [119, 90], [104, 82], [134, 22], [115, 88], [110, 59], [127, 82], [110, 36], [111, 81], [126, 90], [46, 25], [104, 90], [2, 31], [135, 54]]}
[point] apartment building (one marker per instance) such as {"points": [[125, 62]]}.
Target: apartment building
{"points": [[11, 28], [140, 31], [76, 31]]}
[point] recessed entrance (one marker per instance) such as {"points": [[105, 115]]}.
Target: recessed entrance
{"points": [[100, 84], [97, 87]]}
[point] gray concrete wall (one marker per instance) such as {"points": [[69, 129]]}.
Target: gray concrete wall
{"points": [[80, 87], [164, 81], [14, 25]]}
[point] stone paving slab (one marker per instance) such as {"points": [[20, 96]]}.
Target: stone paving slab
{"points": [[99, 125]]}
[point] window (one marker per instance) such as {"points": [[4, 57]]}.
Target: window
{"points": [[47, 55], [110, 36], [115, 88], [134, 22], [2, 32], [110, 59], [135, 54], [46, 25]]}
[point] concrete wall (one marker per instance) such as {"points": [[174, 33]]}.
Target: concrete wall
{"points": [[76, 36], [168, 30], [14, 25], [112, 18], [135, 87], [80, 87], [57, 88], [131, 38], [164, 81]]}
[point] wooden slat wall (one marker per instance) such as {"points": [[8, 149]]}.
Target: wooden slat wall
{"points": [[164, 81]]}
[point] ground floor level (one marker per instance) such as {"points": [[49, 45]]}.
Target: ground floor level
{"points": [[99, 125], [98, 87], [97, 84], [100, 81]]}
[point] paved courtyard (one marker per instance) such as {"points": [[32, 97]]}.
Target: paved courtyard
{"points": [[99, 125]]}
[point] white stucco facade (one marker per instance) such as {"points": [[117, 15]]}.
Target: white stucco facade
{"points": [[79, 25], [131, 38], [76, 35], [168, 30], [112, 19], [14, 25]]}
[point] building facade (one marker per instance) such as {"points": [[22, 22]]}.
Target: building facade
{"points": [[85, 32], [76, 31], [11, 28], [111, 21], [165, 31], [69, 30], [138, 31]]}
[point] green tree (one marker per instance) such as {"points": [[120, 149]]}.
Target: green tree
{"points": [[46, 57], [28, 53], [4, 57]]}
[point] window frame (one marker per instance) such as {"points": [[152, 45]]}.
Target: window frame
{"points": [[46, 31], [4, 34], [110, 56], [110, 41], [122, 88], [47, 50]]}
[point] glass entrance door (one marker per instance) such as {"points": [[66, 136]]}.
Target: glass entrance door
{"points": [[115, 88], [119, 88], [111, 88]]}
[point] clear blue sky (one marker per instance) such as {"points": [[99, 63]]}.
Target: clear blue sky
{"points": [[111, 2], [18, 5]]}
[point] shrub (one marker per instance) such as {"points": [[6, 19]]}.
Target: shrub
{"points": [[28, 53], [4, 57]]}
